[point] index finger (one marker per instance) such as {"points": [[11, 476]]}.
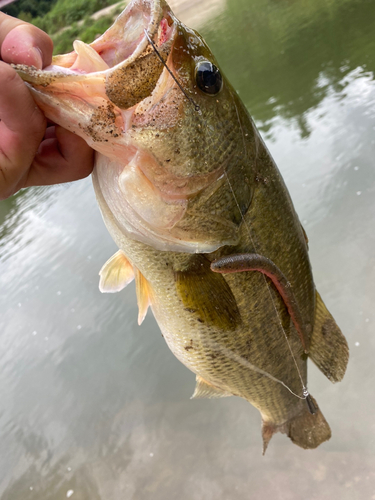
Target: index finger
{"points": [[23, 43]]}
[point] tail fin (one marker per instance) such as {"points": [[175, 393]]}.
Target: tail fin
{"points": [[305, 430]]}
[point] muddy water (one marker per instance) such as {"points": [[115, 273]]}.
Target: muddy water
{"points": [[93, 406]]}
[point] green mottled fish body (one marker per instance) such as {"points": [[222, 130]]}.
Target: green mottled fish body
{"points": [[200, 214], [246, 320]]}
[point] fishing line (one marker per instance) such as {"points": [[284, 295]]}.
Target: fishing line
{"points": [[230, 354], [305, 392], [196, 106], [268, 287], [242, 361]]}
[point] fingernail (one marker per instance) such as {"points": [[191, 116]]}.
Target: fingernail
{"points": [[36, 55]]}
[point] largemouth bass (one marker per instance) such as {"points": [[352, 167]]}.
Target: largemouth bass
{"points": [[200, 213]]}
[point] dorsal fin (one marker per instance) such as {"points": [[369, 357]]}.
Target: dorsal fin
{"points": [[116, 273], [204, 389], [328, 349], [144, 295], [305, 236]]}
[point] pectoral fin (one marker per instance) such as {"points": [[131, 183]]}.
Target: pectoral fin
{"points": [[116, 273], [328, 349], [144, 295], [204, 389], [206, 295]]}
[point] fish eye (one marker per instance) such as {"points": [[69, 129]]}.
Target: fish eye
{"points": [[208, 77]]}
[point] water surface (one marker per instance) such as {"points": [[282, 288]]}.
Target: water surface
{"points": [[93, 406]]}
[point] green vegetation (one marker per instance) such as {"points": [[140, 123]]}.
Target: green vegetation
{"points": [[65, 20], [86, 30], [27, 9], [66, 12]]}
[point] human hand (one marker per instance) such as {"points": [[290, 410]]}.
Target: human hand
{"points": [[32, 154]]}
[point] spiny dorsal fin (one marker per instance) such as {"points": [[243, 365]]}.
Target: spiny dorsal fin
{"points": [[328, 349], [305, 236], [144, 293], [116, 273], [204, 389]]}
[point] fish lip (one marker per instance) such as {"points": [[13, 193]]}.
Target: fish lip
{"points": [[152, 10]]}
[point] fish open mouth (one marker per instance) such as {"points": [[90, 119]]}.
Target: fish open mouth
{"points": [[121, 64], [117, 95], [94, 90]]}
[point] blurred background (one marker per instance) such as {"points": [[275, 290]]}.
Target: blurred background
{"points": [[93, 406]]}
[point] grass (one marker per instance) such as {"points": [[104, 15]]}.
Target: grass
{"points": [[86, 31], [66, 12], [65, 20]]}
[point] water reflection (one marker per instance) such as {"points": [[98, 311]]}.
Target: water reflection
{"points": [[287, 55], [93, 404]]}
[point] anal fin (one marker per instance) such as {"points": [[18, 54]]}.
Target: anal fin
{"points": [[268, 430], [204, 389], [328, 349], [116, 273]]}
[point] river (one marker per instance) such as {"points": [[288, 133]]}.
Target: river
{"points": [[94, 407]]}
